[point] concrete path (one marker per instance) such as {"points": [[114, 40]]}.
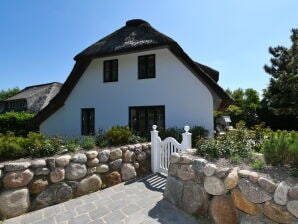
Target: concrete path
{"points": [[136, 202]]}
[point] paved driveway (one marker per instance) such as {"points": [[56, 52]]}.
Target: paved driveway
{"points": [[136, 202]]}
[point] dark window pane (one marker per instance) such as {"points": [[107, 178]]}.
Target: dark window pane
{"points": [[88, 121], [145, 117], [146, 66], [110, 71]]}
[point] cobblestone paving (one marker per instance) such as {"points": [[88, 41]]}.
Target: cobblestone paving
{"points": [[136, 202]]}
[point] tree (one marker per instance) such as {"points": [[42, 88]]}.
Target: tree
{"points": [[282, 93], [246, 103], [4, 94]]}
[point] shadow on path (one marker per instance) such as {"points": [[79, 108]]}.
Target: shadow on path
{"points": [[154, 182]]}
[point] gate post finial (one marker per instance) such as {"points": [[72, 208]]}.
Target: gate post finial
{"points": [[186, 138]]}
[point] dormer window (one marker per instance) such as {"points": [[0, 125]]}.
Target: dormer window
{"points": [[17, 105], [147, 66], [110, 71]]}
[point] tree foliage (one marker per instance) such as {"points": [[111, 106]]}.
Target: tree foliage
{"points": [[246, 103], [4, 94], [282, 92]]}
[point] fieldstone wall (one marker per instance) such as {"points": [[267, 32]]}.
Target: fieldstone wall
{"points": [[228, 195], [38, 183]]}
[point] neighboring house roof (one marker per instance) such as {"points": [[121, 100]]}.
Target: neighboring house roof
{"points": [[136, 36], [38, 96]]}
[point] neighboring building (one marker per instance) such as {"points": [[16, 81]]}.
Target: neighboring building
{"points": [[32, 99], [135, 76]]}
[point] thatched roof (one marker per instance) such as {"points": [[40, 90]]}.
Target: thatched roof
{"points": [[136, 35], [38, 96]]}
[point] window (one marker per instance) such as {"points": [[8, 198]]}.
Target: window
{"points": [[147, 66], [141, 119], [88, 121], [110, 71]]}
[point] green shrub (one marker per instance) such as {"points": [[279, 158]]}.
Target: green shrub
{"points": [[12, 146], [257, 165], [100, 139], [234, 143], [88, 142], [281, 148], [197, 132], [118, 135], [16, 122]]}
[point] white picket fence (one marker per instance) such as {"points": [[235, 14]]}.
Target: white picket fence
{"points": [[162, 150]]}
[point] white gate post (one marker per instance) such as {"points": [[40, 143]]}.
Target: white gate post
{"points": [[186, 139], [155, 140]]}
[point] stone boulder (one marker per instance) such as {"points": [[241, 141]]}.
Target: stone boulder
{"points": [[16, 166], [253, 192], [54, 194], [102, 168], [112, 178], [14, 202], [129, 156], [292, 206], [37, 163], [91, 170], [173, 191], [214, 186], [75, 171], [222, 173], [277, 213], [92, 162], [199, 164], [104, 156], [243, 204], [223, 211], [91, 154], [231, 180], [252, 176], [79, 158], [281, 193], [42, 171], [194, 199], [293, 192], [174, 158], [128, 171], [51, 162], [57, 175], [89, 184], [17, 178], [141, 156], [186, 172], [209, 169], [185, 158], [38, 185], [267, 185], [173, 168], [116, 164], [116, 154], [63, 161]]}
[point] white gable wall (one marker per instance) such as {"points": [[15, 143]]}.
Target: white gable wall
{"points": [[186, 99]]}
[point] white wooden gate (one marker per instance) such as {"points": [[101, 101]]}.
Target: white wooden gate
{"points": [[162, 150]]}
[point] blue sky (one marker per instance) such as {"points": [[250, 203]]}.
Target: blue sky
{"points": [[39, 38]]}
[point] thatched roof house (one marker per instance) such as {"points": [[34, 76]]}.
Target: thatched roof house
{"points": [[86, 92], [32, 98]]}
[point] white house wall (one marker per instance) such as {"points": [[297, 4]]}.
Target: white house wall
{"points": [[186, 99]]}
